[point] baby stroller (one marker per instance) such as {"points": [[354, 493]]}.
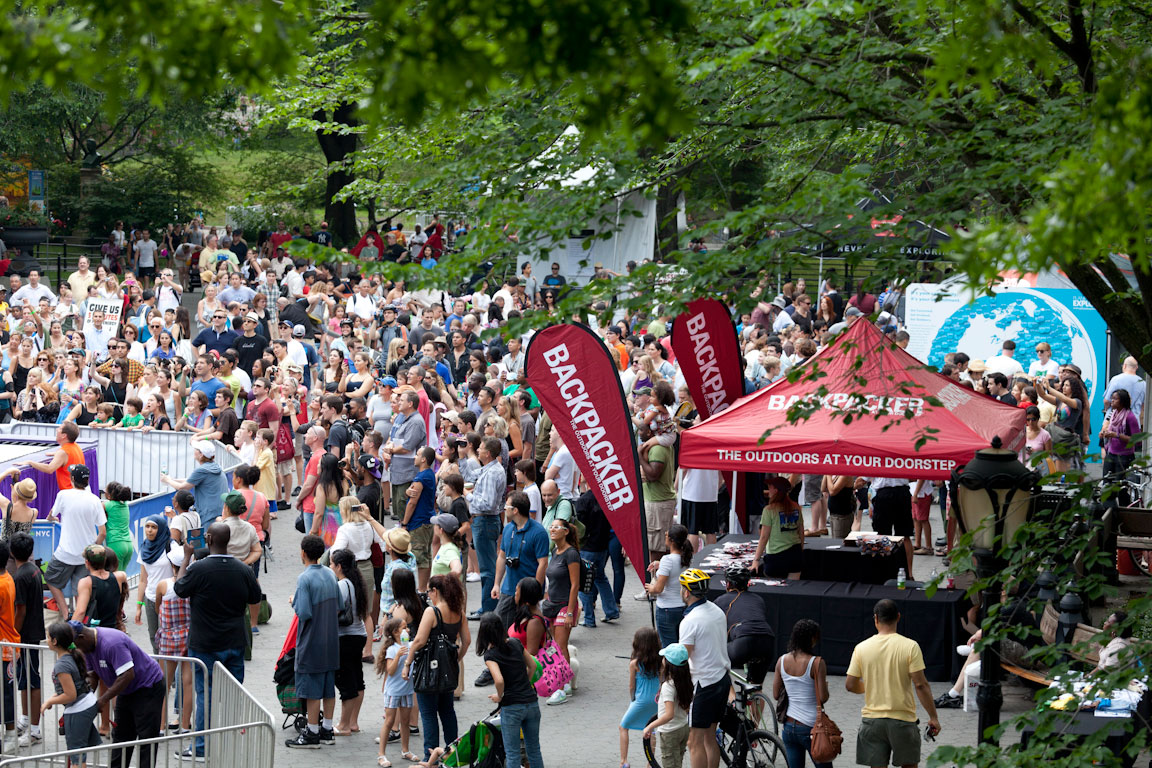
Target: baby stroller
{"points": [[481, 746], [285, 678]]}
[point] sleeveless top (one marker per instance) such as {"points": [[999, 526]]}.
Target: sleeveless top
{"points": [[842, 503], [801, 694], [104, 605], [85, 418], [75, 455], [11, 527]]}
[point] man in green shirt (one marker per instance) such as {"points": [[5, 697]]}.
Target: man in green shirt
{"points": [[659, 472], [558, 507]]}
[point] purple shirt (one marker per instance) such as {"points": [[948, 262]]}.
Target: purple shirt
{"points": [[1125, 423], [115, 654]]}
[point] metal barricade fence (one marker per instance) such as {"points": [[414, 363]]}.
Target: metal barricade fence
{"points": [[253, 745], [35, 662], [131, 457]]}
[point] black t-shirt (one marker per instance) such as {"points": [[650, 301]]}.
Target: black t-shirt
{"points": [[220, 589], [30, 594], [323, 237], [558, 576], [249, 350], [339, 436], [228, 423], [240, 249], [460, 511], [746, 614], [509, 656], [369, 495], [393, 252], [597, 531]]}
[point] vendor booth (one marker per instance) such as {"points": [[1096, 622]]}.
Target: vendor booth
{"points": [[860, 407]]}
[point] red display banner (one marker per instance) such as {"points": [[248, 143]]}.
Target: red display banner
{"points": [[578, 385], [705, 342]]}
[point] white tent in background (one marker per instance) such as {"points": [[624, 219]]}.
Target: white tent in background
{"points": [[633, 237]]}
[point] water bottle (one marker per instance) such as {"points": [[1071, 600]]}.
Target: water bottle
{"points": [[163, 467], [901, 578], [935, 575], [404, 637]]}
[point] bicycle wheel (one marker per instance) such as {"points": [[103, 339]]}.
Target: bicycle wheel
{"points": [[764, 750], [651, 747], [1140, 560], [763, 714]]}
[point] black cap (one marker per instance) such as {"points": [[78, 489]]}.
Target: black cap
{"points": [[79, 474]]}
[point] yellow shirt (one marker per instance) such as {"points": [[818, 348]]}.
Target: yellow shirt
{"points": [[885, 664], [266, 463]]}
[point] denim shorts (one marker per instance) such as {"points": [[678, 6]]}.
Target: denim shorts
{"points": [[316, 685]]}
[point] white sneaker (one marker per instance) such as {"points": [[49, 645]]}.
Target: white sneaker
{"points": [[473, 577], [557, 698], [964, 650], [21, 724], [642, 596], [28, 739]]}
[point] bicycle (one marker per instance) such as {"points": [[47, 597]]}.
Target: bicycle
{"points": [[742, 743], [760, 707]]}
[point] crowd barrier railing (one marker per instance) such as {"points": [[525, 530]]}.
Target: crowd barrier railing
{"points": [[242, 732], [131, 457], [232, 703]]}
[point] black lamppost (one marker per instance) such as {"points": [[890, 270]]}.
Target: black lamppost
{"points": [[992, 495]]}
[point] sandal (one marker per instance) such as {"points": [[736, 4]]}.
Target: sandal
{"points": [[922, 551], [383, 762], [410, 757]]}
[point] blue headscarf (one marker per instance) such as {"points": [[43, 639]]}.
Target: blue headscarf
{"points": [[154, 548]]}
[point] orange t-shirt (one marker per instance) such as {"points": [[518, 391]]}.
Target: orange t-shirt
{"points": [[8, 631], [75, 456]]}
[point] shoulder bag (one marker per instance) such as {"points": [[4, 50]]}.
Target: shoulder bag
{"points": [[436, 666], [827, 741]]}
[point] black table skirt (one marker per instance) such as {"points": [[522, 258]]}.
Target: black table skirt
{"points": [[821, 563], [844, 613], [1120, 732]]}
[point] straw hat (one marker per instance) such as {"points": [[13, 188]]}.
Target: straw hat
{"points": [[398, 540], [26, 489]]}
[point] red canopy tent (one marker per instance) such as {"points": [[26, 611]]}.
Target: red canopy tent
{"points": [[868, 413]]}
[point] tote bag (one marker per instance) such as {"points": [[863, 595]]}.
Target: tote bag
{"points": [[557, 671]]}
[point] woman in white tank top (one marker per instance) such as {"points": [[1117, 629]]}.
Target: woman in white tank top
{"points": [[799, 673]]}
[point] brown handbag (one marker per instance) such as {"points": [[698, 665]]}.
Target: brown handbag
{"points": [[827, 740]]}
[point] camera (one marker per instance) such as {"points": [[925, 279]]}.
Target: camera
{"points": [[513, 562]]}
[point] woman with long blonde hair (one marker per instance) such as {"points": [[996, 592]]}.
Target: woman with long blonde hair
{"points": [[397, 354]]}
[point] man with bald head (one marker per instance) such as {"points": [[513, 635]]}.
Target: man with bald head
{"points": [[1128, 379], [220, 589], [556, 506]]}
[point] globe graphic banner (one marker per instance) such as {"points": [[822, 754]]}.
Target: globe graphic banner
{"points": [[941, 322]]}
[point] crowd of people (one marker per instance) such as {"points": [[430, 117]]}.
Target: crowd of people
{"points": [[408, 449]]}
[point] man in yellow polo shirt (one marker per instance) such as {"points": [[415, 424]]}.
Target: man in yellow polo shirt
{"points": [[888, 668]]}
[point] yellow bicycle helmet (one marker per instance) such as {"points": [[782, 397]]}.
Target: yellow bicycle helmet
{"points": [[695, 581]]}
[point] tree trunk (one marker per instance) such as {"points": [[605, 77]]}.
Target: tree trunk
{"points": [[667, 210], [1129, 314], [341, 216]]}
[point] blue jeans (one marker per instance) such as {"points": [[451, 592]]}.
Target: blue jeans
{"points": [[616, 552], [797, 743], [595, 561], [485, 534], [515, 718], [233, 661], [668, 625], [433, 705]]}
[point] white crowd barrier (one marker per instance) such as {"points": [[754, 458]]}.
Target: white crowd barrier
{"points": [[131, 457], [242, 731]]}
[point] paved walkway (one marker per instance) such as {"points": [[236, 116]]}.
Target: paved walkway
{"points": [[582, 732]]}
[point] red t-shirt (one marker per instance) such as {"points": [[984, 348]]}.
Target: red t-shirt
{"points": [[279, 240], [308, 504], [266, 414]]}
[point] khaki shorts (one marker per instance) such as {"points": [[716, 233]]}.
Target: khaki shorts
{"points": [[399, 499], [841, 525], [884, 741], [421, 546], [659, 516]]}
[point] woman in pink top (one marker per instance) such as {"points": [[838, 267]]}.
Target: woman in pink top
{"points": [[1036, 439]]}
